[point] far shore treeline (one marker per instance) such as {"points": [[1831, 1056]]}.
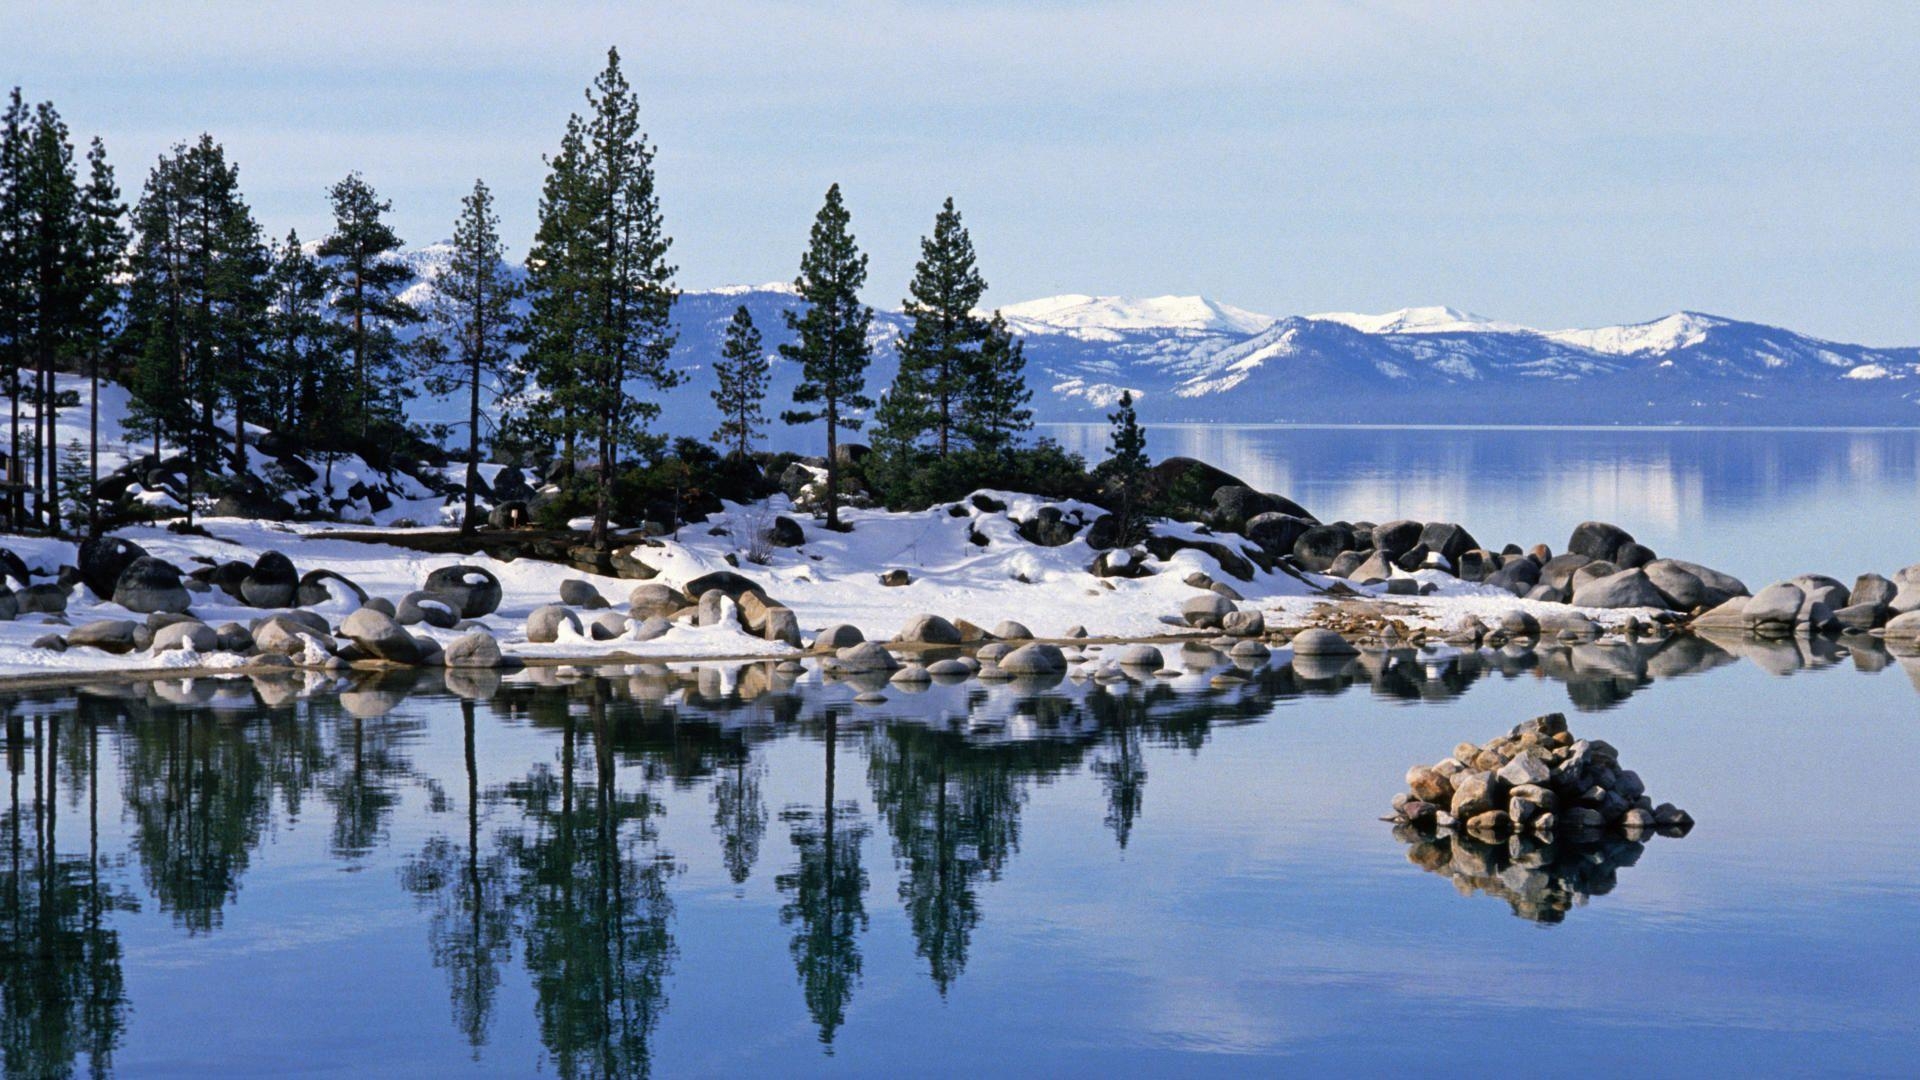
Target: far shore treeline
{"points": [[214, 324]]}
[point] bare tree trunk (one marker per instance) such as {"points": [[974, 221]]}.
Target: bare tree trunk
{"points": [[93, 444], [473, 442], [833, 464]]}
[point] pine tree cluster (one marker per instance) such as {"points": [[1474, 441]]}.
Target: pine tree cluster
{"points": [[218, 332]]}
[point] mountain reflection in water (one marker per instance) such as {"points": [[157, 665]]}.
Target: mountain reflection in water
{"points": [[551, 869]]}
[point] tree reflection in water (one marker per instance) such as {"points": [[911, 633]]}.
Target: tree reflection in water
{"points": [[561, 860]]}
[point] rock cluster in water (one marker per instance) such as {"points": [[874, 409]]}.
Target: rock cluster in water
{"points": [[1536, 780]]}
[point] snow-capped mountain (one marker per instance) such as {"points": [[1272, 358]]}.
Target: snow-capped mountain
{"points": [[1189, 358]]}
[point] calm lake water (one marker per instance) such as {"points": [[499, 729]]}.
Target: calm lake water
{"points": [[724, 870], [1761, 504]]}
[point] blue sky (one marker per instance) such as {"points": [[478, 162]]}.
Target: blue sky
{"points": [[1554, 164]]}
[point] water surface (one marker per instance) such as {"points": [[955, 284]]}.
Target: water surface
{"points": [[710, 871], [1761, 504]]}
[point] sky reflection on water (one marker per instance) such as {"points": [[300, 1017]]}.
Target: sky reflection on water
{"points": [[722, 869]]}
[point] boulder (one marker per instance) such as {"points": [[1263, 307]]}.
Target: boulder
{"points": [[1413, 558], [864, 657], [1049, 527], [1316, 548], [1121, 563], [839, 636], [1872, 589], [607, 626], [1185, 486], [716, 609], [1630, 555], [1315, 641], [1451, 541], [319, 587], [930, 630], [895, 578], [1904, 627], [380, 636], [425, 607], [1236, 505], [107, 635], [13, 568], [1034, 660], [1518, 575], [1395, 538], [148, 585], [471, 591], [1625, 589], [1232, 562], [1208, 611], [232, 637], [271, 583], [509, 514], [1598, 540], [651, 627], [1347, 562], [1009, 630], [655, 599], [1244, 624], [1475, 564], [9, 604], [575, 592], [1777, 605], [102, 559], [193, 636], [43, 599], [1142, 656], [1275, 532], [786, 532], [543, 625], [1559, 570], [782, 625], [734, 585]]}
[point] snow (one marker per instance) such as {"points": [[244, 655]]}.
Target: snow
{"points": [[1869, 371], [1422, 320], [1099, 317], [1680, 330]]}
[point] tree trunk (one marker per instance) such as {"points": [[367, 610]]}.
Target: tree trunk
{"points": [[833, 465], [473, 442], [93, 444]]}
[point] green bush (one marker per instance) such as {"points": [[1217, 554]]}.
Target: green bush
{"points": [[915, 480]]}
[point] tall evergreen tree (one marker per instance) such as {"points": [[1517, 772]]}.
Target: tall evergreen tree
{"points": [[196, 302], [603, 289], [471, 322], [97, 269], [830, 336], [996, 394], [940, 351], [15, 128], [741, 373], [50, 239], [368, 304], [1126, 465], [305, 358]]}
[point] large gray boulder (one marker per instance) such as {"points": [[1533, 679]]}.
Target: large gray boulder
{"points": [[1395, 538], [930, 630], [1142, 656], [473, 650], [575, 592], [1244, 623], [1904, 628], [782, 626], [1207, 611], [1034, 659], [107, 635], [148, 585], [1598, 540], [1316, 641], [1011, 630], [425, 607], [379, 635], [1625, 589], [716, 608], [197, 637], [1872, 589], [1559, 570], [840, 636], [1275, 532], [9, 604], [655, 599], [864, 657], [1518, 575], [543, 625], [45, 598], [272, 583], [1450, 540], [102, 559], [1316, 548], [319, 587], [470, 590], [1779, 604]]}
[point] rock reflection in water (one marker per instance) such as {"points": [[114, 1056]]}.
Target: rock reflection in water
{"points": [[1540, 882]]}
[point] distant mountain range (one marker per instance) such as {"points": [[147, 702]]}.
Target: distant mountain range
{"points": [[1191, 359]]}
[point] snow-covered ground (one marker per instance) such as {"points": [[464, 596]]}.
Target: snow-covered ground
{"points": [[830, 578]]}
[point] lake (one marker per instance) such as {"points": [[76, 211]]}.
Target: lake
{"points": [[714, 870], [1763, 505]]}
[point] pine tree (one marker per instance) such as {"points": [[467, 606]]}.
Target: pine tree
{"points": [[14, 338], [304, 353], [49, 196], [830, 336], [602, 287], [196, 302], [996, 395], [939, 353], [97, 268], [471, 322], [742, 375], [1127, 465], [368, 302]]}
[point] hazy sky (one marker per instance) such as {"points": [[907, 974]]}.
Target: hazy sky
{"points": [[1554, 164]]}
